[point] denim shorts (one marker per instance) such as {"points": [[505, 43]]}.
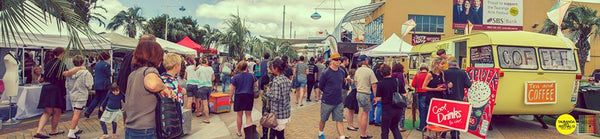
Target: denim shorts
{"points": [[364, 101], [140, 133], [302, 82], [335, 110]]}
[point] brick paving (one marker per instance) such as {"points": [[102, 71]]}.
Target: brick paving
{"points": [[303, 125]]}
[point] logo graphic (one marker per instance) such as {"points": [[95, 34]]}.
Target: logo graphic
{"points": [[514, 11], [566, 124]]}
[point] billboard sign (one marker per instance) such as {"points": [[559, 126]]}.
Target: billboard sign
{"points": [[497, 15]]}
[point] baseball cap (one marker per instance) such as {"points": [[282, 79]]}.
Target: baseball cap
{"points": [[334, 56], [362, 58]]}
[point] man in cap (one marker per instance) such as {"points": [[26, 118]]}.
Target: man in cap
{"points": [[365, 82], [331, 103]]}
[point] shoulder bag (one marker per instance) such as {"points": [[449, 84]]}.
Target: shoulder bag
{"points": [[398, 100], [269, 120]]}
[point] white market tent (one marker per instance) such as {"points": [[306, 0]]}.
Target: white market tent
{"points": [[393, 46], [51, 41], [120, 42], [175, 48]]}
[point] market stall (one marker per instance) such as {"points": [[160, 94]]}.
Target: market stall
{"points": [[393, 46]]}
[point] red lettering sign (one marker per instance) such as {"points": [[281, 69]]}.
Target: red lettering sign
{"points": [[449, 114], [420, 38]]}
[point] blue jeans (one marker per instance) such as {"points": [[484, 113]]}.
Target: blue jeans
{"points": [[375, 116], [424, 99], [402, 114], [225, 79], [98, 98], [140, 133]]}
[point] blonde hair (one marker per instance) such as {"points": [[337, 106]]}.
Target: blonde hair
{"points": [[170, 60], [436, 63]]}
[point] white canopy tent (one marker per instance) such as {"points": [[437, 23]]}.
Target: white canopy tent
{"points": [[175, 48], [51, 41], [393, 46], [120, 42]]}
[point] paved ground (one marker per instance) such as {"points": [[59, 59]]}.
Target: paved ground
{"points": [[303, 125]]}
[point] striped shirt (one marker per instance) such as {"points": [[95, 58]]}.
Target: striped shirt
{"points": [[205, 74]]}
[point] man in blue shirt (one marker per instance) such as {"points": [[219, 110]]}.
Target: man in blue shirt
{"points": [[331, 102]]}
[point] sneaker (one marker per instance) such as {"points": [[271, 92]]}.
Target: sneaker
{"points": [[367, 137], [322, 136]]}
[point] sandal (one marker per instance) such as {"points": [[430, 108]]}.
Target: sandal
{"points": [[56, 133], [41, 136], [352, 129], [239, 134], [104, 136], [205, 121]]}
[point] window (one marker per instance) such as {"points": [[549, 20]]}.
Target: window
{"points": [[557, 59], [513, 57], [482, 57], [427, 23]]}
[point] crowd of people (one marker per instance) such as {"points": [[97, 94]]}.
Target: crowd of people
{"points": [[148, 74]]}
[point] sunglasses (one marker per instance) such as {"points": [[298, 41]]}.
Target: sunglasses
{"points": [[336, 59]]}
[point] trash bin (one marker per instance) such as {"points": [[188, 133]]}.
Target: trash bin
{"points": [[591, 95]]}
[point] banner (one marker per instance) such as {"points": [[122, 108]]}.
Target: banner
{"points": [[482, 97], [420, 39], [449, 114], [540, 92], [498, 15]]}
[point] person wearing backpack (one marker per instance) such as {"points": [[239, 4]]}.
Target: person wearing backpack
{"points": [[226, 69], [391, 112]]}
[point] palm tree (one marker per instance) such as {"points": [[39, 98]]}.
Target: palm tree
{"points": [[84, 9], [20, 18], [581, 22], [131, 20], [236, 36], [212, 36]]}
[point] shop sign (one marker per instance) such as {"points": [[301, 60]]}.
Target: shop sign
{"points": [[420, 38], [449, 114], [482, 97], [498, 15], [540, 92]]}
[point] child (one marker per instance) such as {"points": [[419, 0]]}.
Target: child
{"points": [[78, 85], [113, 113]]}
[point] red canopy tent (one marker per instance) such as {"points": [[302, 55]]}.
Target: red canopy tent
{"points": [[189, 43]]}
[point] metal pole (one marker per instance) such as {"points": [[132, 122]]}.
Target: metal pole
{"points": [[166, 25], [283, 28], [334, 16], [290, 29]]}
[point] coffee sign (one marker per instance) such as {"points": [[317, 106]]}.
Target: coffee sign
{"points": [[540, 92], [449, 114]]}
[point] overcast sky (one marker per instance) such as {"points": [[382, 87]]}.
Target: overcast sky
{"points": [[263, 17]]}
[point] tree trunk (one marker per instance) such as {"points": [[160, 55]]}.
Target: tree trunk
{"points": [[582, 52]]}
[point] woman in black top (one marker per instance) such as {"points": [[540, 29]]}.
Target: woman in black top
{"points": [[390, 114], [52, 99], [434, 82]]}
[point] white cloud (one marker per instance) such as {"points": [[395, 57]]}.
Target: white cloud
{"points": [[264, 17], [112, 8]]}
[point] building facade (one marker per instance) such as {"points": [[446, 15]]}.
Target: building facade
{"points": [[435, 20]]}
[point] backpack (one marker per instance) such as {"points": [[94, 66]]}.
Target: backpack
{"points": [[169, 119]]}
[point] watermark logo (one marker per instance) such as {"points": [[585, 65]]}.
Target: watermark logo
{"points": [[566, 124]]}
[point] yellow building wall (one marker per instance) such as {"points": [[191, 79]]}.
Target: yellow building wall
{"points": [[395, 13]]}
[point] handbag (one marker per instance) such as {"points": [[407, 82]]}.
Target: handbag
{"points": [[268, 120], [255, 91], [169, 117], [398, 100]]}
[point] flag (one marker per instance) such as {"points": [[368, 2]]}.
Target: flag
{"points": [[558, 11], [407, 26], [468, 27]]}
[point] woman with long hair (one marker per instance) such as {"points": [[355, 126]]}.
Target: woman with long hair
{"points": [[434, 82], [242, 86], [279, 98]]}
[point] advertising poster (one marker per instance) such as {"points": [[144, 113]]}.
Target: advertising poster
{"points": [[497, 15], [482, 97], [449, 114], [421, 38]]}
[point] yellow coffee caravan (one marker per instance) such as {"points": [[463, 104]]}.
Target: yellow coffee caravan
{"points": [[539, 73]]}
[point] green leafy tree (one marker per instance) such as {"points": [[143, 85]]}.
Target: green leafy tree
{"points": [[236, 36], [211, 36], [131, 20], [21, 19], [581, 22]]}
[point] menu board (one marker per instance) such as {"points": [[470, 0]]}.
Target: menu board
{"points": [[482, 56]]}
